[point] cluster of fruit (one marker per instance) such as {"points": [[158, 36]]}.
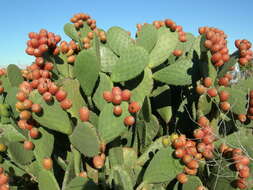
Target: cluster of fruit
{"points": [[4, 180], [42, 42], [240, 162], [116, 96], [174, 27], [216, 42], [69, 49], [246, 55], [79, 19], [87, 40]]}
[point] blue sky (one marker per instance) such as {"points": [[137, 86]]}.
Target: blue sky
{"points": [[19, 17]]}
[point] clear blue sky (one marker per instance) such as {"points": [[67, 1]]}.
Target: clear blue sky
{"points": [[19, 17]]}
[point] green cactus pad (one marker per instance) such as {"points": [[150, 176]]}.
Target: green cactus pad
{"points": [[163, 167], [14, 75], [146, 109], [72, 87], [130, 64], [62, 65], [116, 157], [122, 178], [151, 129], [80, 183], [43, 145], [19, 154], [11, 99], [110, 126], [51, 114], [204, 104], [105, 84], [237, 100], [118, 40], [86, 70], [85, 139], [147, 37], [225, 68], [165, 45], [176, 74], [11, 133], [70, 30], [141, 86], [129, 156], [108, 59], [47, 180]]}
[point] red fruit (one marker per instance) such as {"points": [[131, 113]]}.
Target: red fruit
{"points": [[42, 88], [117, 110], [243, 61], [192, 151], [203, 121], [190, 143], [83, 174], [49, 66], [129, 120], [201, 147], [28, 145], [53, 88], [47, 96], [117, 99], [190, 171], [182, 38], [21, 96], [47, 163], [187, 158], [25, 115], [39, 61], [108, 96], [179, 153], [4, 179], [98, 162], [36, 108], [126, 94], [208, 139], [116, 90], [61, 95], [134, 107], [34, 133], [84, 114], [198, 133], [216, 57], [182, 178], [193, 164], [224, 95], [225, 57], [225, 106], [201, 188], [34, 84], [229, 76], [178, 143], [29, 51], [245, 160], [209, 34], [212, 92], [22, 124], [200, 89], [34, 43], [244, 172], [208, 82], [177, 52], [242, 118], [66, 104], [223, 81], [27, 104], [241, 183], [208, 44]]}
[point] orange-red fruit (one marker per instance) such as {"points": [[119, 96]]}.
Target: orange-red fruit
{"points": [[244, 172], [34, 133], [242, 118], [117, 110], [116, 90], [25, 115], [134, 107], [28, 145], [198, 134], [36, 108], [241, 183], [190, 171], [212, 92], [193, 164], [107, 95], [225, 106], [208, 82], [47, 96], [179, 153], [42, 88], [117, 99], [201, 187], [187, 158], [84, 114], [4, 179], [66, 104], [203, 121], [200, 89], [129, 120], [223, 81], [98, 162], [21, 96], [177, 52], [53, 88], [61, 95], [224, 95], [47, 163], [126, 94], [182, 178], [27, 104]]}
